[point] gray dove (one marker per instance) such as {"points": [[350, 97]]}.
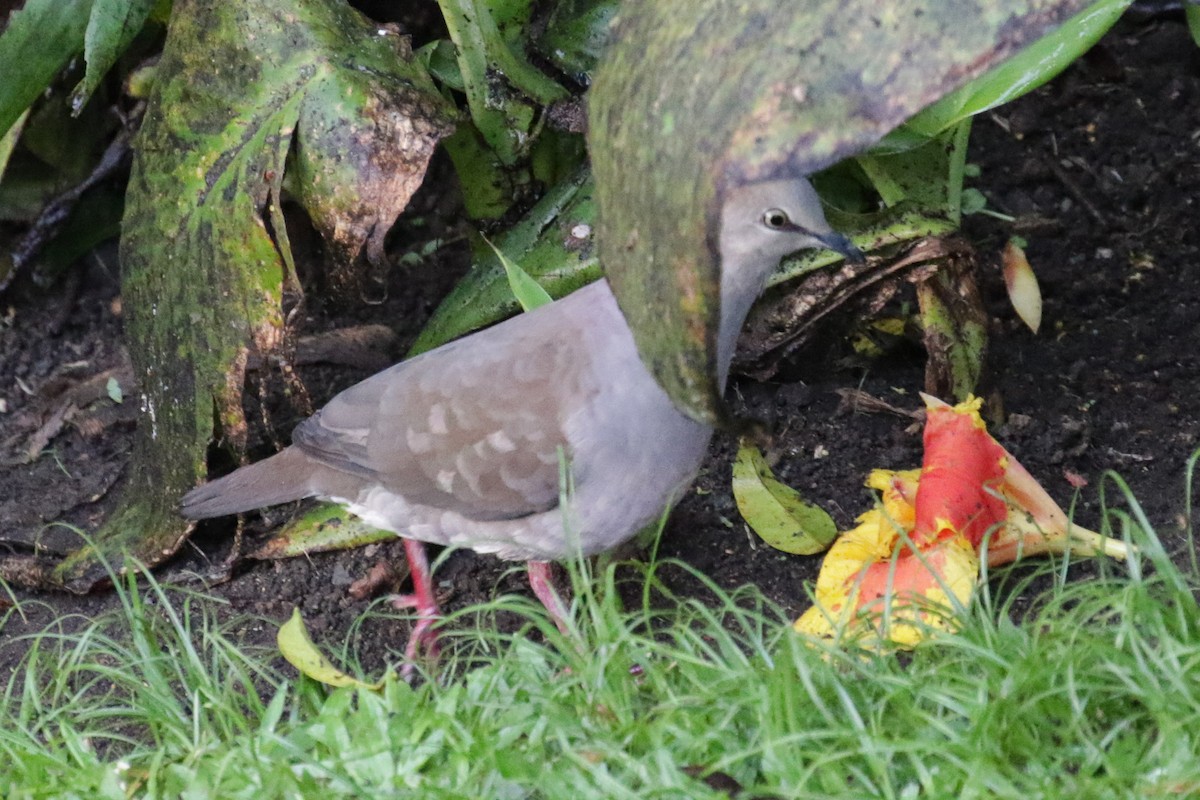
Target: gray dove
{"points": [[462, 445]]}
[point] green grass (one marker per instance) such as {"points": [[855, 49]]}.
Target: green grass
{"points": [[1094, 693]]}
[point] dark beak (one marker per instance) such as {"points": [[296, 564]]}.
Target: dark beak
{"points": [[841, 244]]}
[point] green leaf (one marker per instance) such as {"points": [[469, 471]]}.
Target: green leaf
{"points": [[553, 244], [113, 388], [111, 27], [504, 91], [577, 34], [1024, 72], [776, 512], [973, 201], [298, 648], [9, 140], [528, 292], [38, 42], [1192, 12]]}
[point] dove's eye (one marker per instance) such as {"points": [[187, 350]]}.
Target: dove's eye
{"points": [[775, 219]]}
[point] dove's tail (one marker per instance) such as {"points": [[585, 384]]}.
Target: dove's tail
{"points": [[283, 477]]}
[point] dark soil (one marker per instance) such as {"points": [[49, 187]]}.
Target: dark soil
{"points": [[1101, 170]]}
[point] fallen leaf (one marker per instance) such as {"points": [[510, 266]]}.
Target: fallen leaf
{"points": [[297, 647], [1022, 284], [776, 512]]}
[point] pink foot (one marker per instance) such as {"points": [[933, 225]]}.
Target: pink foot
{"points": [[541, 580], [423, 637]]}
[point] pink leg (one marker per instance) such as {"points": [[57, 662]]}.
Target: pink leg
{"points": [[423, 636], [541, 580]]}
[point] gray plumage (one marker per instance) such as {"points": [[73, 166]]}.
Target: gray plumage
{"points": [[461, 445]]}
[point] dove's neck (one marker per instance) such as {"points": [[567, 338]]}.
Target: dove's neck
{"points": [[743, 276]]}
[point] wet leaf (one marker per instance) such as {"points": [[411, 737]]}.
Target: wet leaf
{"points": [[298, 648], [37, 42], [1022, 285], [776, 512], [693, 98]]}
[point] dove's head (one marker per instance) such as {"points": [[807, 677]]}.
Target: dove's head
{"points": [[761, 223]]}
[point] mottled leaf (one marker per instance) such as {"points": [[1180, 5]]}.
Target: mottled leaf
{"points": [[366, 131], [202, 276], [324, 528], [954, 327]]}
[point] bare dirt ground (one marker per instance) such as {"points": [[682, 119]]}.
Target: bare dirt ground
{"points": [[1101, 170]]}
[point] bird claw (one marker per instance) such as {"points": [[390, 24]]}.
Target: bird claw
{"points": [[424, 636]]}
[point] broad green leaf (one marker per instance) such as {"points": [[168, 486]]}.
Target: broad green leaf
{"points": [[1024, 72], [111, 28], [747, 91], [553, 244], [298, 648], [324, 528], [39, 40], [1192, 13], [776, 512]]}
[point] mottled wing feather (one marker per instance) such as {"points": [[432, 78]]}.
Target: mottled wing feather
{"points": [[474, 427]]}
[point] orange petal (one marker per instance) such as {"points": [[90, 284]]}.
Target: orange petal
{"points": [[963, 466]]}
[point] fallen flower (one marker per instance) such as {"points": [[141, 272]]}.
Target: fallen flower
{"points": [[912, 563]]}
